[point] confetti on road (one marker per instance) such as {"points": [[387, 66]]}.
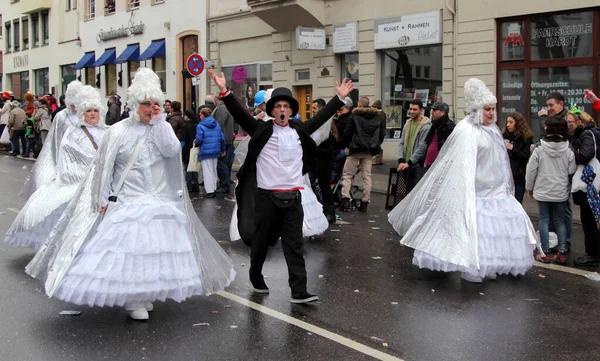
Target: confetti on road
{"points": [[481, 294], [227, 306], [356, 291], [532, 299], [394, 303], [432, 290], [334, 230], [375, 228], [234, 326], [377, 257], [201, 324], [376, 339], [214, 312], [541, 276], [370, 221], [384, 344], [320, 276]]}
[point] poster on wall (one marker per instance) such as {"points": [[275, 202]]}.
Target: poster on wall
{"points": [[408, 30], [393, 115], [345, 38], [310, 39], [422, 95]]}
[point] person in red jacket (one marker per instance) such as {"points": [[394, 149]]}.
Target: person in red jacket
{"points": [[590, 96]]}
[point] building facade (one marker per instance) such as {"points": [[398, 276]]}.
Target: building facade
{"points": [[48, 43], [37, 38], [425, 50]]}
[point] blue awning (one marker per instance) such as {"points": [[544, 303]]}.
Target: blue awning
{"points": [[107, 58], [132, 52], [156, 49], [87, 61]]}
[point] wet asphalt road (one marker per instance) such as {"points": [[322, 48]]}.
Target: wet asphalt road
{"points": [[370, 293]]}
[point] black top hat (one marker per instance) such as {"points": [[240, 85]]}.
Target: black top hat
{"points": [[282, 94]]}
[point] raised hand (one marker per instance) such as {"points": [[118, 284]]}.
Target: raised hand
{"points": [[219, 81], [590, 96], [345, 88]]}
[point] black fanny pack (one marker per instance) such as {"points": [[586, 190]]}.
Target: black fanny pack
{"points": [[285, 199]]}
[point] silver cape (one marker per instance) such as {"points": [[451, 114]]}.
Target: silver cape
{"points": [[75, 156], [439, 216], [45, 168], [156, 176]]}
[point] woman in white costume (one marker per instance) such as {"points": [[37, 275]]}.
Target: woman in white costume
{"points": [[462, 216], [314, 222], [77, 149], [131, 235], [45, 169]]}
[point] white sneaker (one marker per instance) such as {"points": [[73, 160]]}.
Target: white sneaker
{"points": [[140, 314], [470, 278], [149, 306]]}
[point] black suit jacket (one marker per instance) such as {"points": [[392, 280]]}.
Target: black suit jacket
{"points": [[261, 132]]}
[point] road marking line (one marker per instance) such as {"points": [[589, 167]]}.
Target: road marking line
{"points": [[15, 210], [555, 267], [311, 328]]}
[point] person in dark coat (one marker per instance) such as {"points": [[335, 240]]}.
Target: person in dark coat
{"points": [[113, 116], [518, 139], [586, 139], [175, 117], [441, 128], [269, 204], [60, 108], [187, 137]]}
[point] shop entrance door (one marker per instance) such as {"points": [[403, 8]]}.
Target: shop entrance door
{"points": [[305, 98]]}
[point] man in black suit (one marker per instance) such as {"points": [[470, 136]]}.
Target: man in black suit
{"points": [[268, 193]]}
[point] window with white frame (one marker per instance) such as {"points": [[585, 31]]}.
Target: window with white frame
{"points": [[35, 29], [25, 24], [45, 28], [133, 4], [154, 2], [8, 39], [90, 9], [109, 7], [74, 4], [67, 5], [17, 35]]}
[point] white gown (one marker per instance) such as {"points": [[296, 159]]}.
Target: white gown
{"points": [[314, 222], [462, 216], [45, 206], [148, 246]]}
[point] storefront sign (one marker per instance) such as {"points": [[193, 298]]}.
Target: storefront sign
{"points": [[409, 30], [122, 32], [561, 35], [20, 61], [345, 38], [310, 39]]}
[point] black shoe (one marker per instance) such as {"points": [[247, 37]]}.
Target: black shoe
{"points": [[303, 297], [260, 287], [587, 261], [363, 206], [194, 190], [210, 195], [331, 218], [346, 205], [223, 191], [201, 184]]}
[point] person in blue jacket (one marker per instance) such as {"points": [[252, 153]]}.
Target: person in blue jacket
{"points": [[210, 139]]}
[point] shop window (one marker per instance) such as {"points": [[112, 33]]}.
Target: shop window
{"points": [[90, 9], [8, 38], [265, 73], [402, 82], [90, 76], [562, 36], [110, 76], [133, 4], [25, 23], [35, 29], [109, 7], [570, 81], [132, 68], [17, 36], [159, 65], [243, 82], [350, 70], [511, 97], [24, 83], [513, 43], [42, 82], [45, 28]]}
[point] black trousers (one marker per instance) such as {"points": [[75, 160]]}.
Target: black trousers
{"points": [[274, 219], [590, 230], [323, 174]]}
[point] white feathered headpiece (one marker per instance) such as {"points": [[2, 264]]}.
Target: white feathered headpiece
{"points": [[477, 95], [89, 98], [145, 86], [72, 91]]}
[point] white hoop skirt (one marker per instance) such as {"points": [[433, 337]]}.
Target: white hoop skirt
{"points": [[503, 241], [139, 253]]}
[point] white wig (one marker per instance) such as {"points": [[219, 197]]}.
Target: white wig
{"points": [[145, 86], [268, 95], [477, 96], [72, 91], [89, 98]]}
